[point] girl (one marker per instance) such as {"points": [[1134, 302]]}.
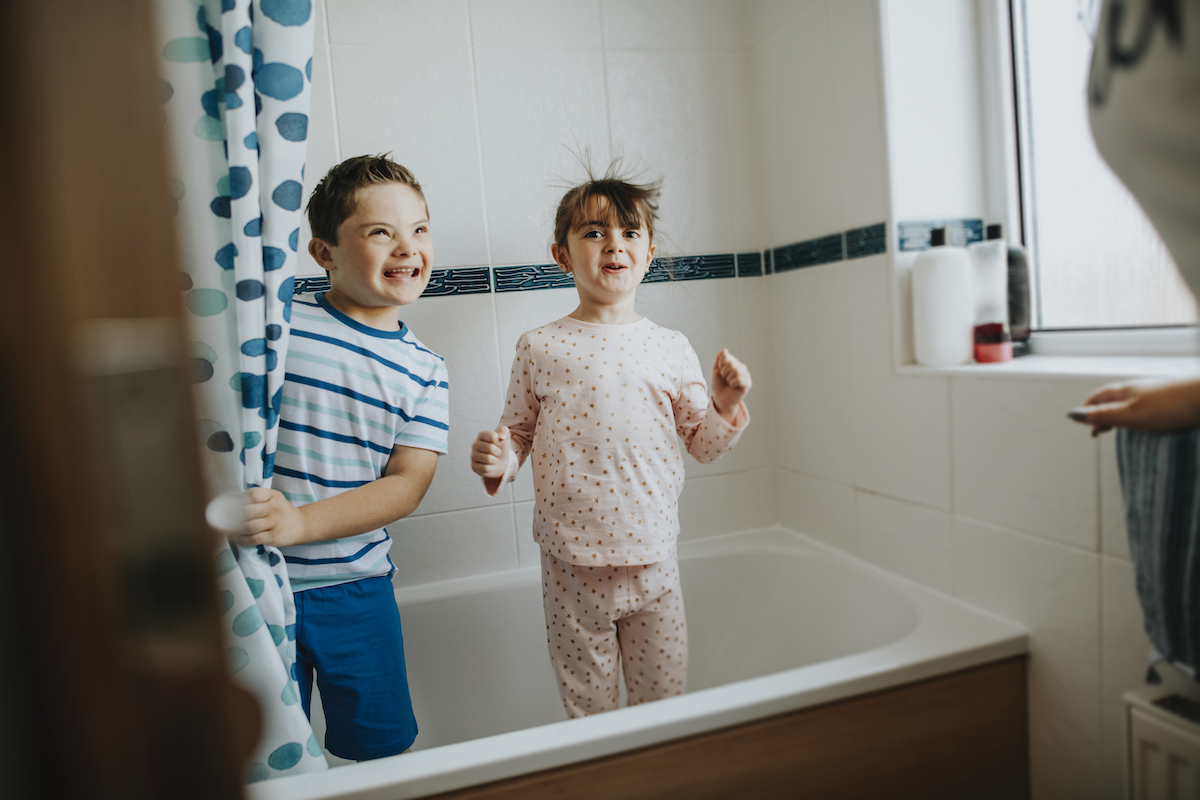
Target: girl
{"points": [[594, 401]]}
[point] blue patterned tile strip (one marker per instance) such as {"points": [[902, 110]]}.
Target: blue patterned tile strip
{"points": [[868, 241], [961, 232], [690, 268], [823, 250], [442, 282], [306, 285], [534, 276], [855, 243], [749, 265], [468, 280]]}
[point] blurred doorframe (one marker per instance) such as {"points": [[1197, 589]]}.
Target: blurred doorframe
{"points": [[112, 677]]}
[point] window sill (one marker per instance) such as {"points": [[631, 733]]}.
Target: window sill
{"points": [[1068, 367]]}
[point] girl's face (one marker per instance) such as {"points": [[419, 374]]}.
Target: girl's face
{"points": [[607, 259]]}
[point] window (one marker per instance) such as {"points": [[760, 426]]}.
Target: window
{"points": [[1098, 262]]}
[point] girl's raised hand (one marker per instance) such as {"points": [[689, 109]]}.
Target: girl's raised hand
{"points": [[730, 383], [489, 456]]}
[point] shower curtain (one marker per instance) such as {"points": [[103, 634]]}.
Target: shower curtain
{"points": [[236, 90]]}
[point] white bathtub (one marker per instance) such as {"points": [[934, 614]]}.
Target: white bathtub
{"points": [[775, 623]]}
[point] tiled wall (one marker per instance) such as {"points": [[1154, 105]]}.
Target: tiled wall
{"points": [[975, 486], [788, 129], [490, 102]]}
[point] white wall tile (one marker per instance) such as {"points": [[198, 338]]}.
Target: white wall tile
{"points": [[818, 508], [799, 149], [457, 544], [858, 111], [756, 350], [395, 22], [674, 24], [769, 18], [1055, 592], [322, 149], [1124, 659], [814, 428], [672, 116], [935, 145], [900, 425], [909, 540], [573, 24], [1018, 462], [320, 26], [540, 110], [721, 504], [1114, 536], [453, 327], [416, 102]]}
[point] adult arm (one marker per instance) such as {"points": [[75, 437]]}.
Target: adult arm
{"points": [[1145, 405]]}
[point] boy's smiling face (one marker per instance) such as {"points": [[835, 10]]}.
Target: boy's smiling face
{"points": [[383, 257], [607, 259]]}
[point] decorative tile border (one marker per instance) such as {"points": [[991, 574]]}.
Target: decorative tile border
{"points": [[810, 253], [749, 265], [856, 243], [534, 276], [868, 241], [961, 232], [690, 268], [465, 280]]}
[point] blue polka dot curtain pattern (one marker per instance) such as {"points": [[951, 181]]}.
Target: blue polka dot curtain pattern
{"points": [[236, 92]]}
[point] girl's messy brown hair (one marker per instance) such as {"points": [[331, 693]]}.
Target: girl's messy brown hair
{"points": [[632, 204]]}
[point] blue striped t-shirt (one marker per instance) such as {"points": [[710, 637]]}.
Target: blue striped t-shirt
{"points": [[350, 394]]}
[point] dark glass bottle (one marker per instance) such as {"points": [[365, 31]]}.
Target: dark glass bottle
{"points": [[1019, 311]]}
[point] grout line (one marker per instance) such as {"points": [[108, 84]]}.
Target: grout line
{"points": [[487, 234], [604, 67], [337, 133]]}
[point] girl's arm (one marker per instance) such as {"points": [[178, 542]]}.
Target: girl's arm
{"points": [[497, 455], [1146, 405], [708, 429]]}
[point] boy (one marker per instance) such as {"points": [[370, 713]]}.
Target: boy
{"points": [[363, 419]]}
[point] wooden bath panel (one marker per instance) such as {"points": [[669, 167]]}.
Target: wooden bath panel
{"points": [[962, 735]]}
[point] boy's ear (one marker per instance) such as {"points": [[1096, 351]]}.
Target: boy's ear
{"points": [[319, 250], [559, 254]]}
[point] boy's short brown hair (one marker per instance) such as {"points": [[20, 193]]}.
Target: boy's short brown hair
{"points": [[334, 198], [633, 204]]}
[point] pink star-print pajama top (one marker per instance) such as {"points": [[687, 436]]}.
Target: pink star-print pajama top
{"points": [[596, 409]]}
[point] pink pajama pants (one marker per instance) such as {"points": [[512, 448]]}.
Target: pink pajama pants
{"points": [[595, 613]]}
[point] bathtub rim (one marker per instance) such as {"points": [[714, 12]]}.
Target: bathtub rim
{"points": [[949, 636]]}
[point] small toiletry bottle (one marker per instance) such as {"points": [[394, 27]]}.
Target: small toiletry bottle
{"points": [[943, 308], [989, 276], [1019, 318], [992, 343]]}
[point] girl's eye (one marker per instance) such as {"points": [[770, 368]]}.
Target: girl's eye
{"points": [[593, 234], [379, 230], [422, 229], [634, 234]]}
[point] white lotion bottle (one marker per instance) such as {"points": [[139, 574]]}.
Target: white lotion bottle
{"points": [[943, 304], [989, 263]]}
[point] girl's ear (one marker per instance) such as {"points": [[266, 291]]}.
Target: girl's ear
{"points": [[319, 250], [650, 254], [559, 254]]}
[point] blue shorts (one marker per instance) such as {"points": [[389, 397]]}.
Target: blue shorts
{"points": [[350, 634]]}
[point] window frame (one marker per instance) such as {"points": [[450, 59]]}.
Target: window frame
{"points": [[1009, 178]]}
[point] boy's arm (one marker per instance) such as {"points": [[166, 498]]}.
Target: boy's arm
{"points": [[271, 519]]}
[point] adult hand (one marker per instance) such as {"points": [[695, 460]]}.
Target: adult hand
{"points": [[730, 383], [1152, 405]]}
